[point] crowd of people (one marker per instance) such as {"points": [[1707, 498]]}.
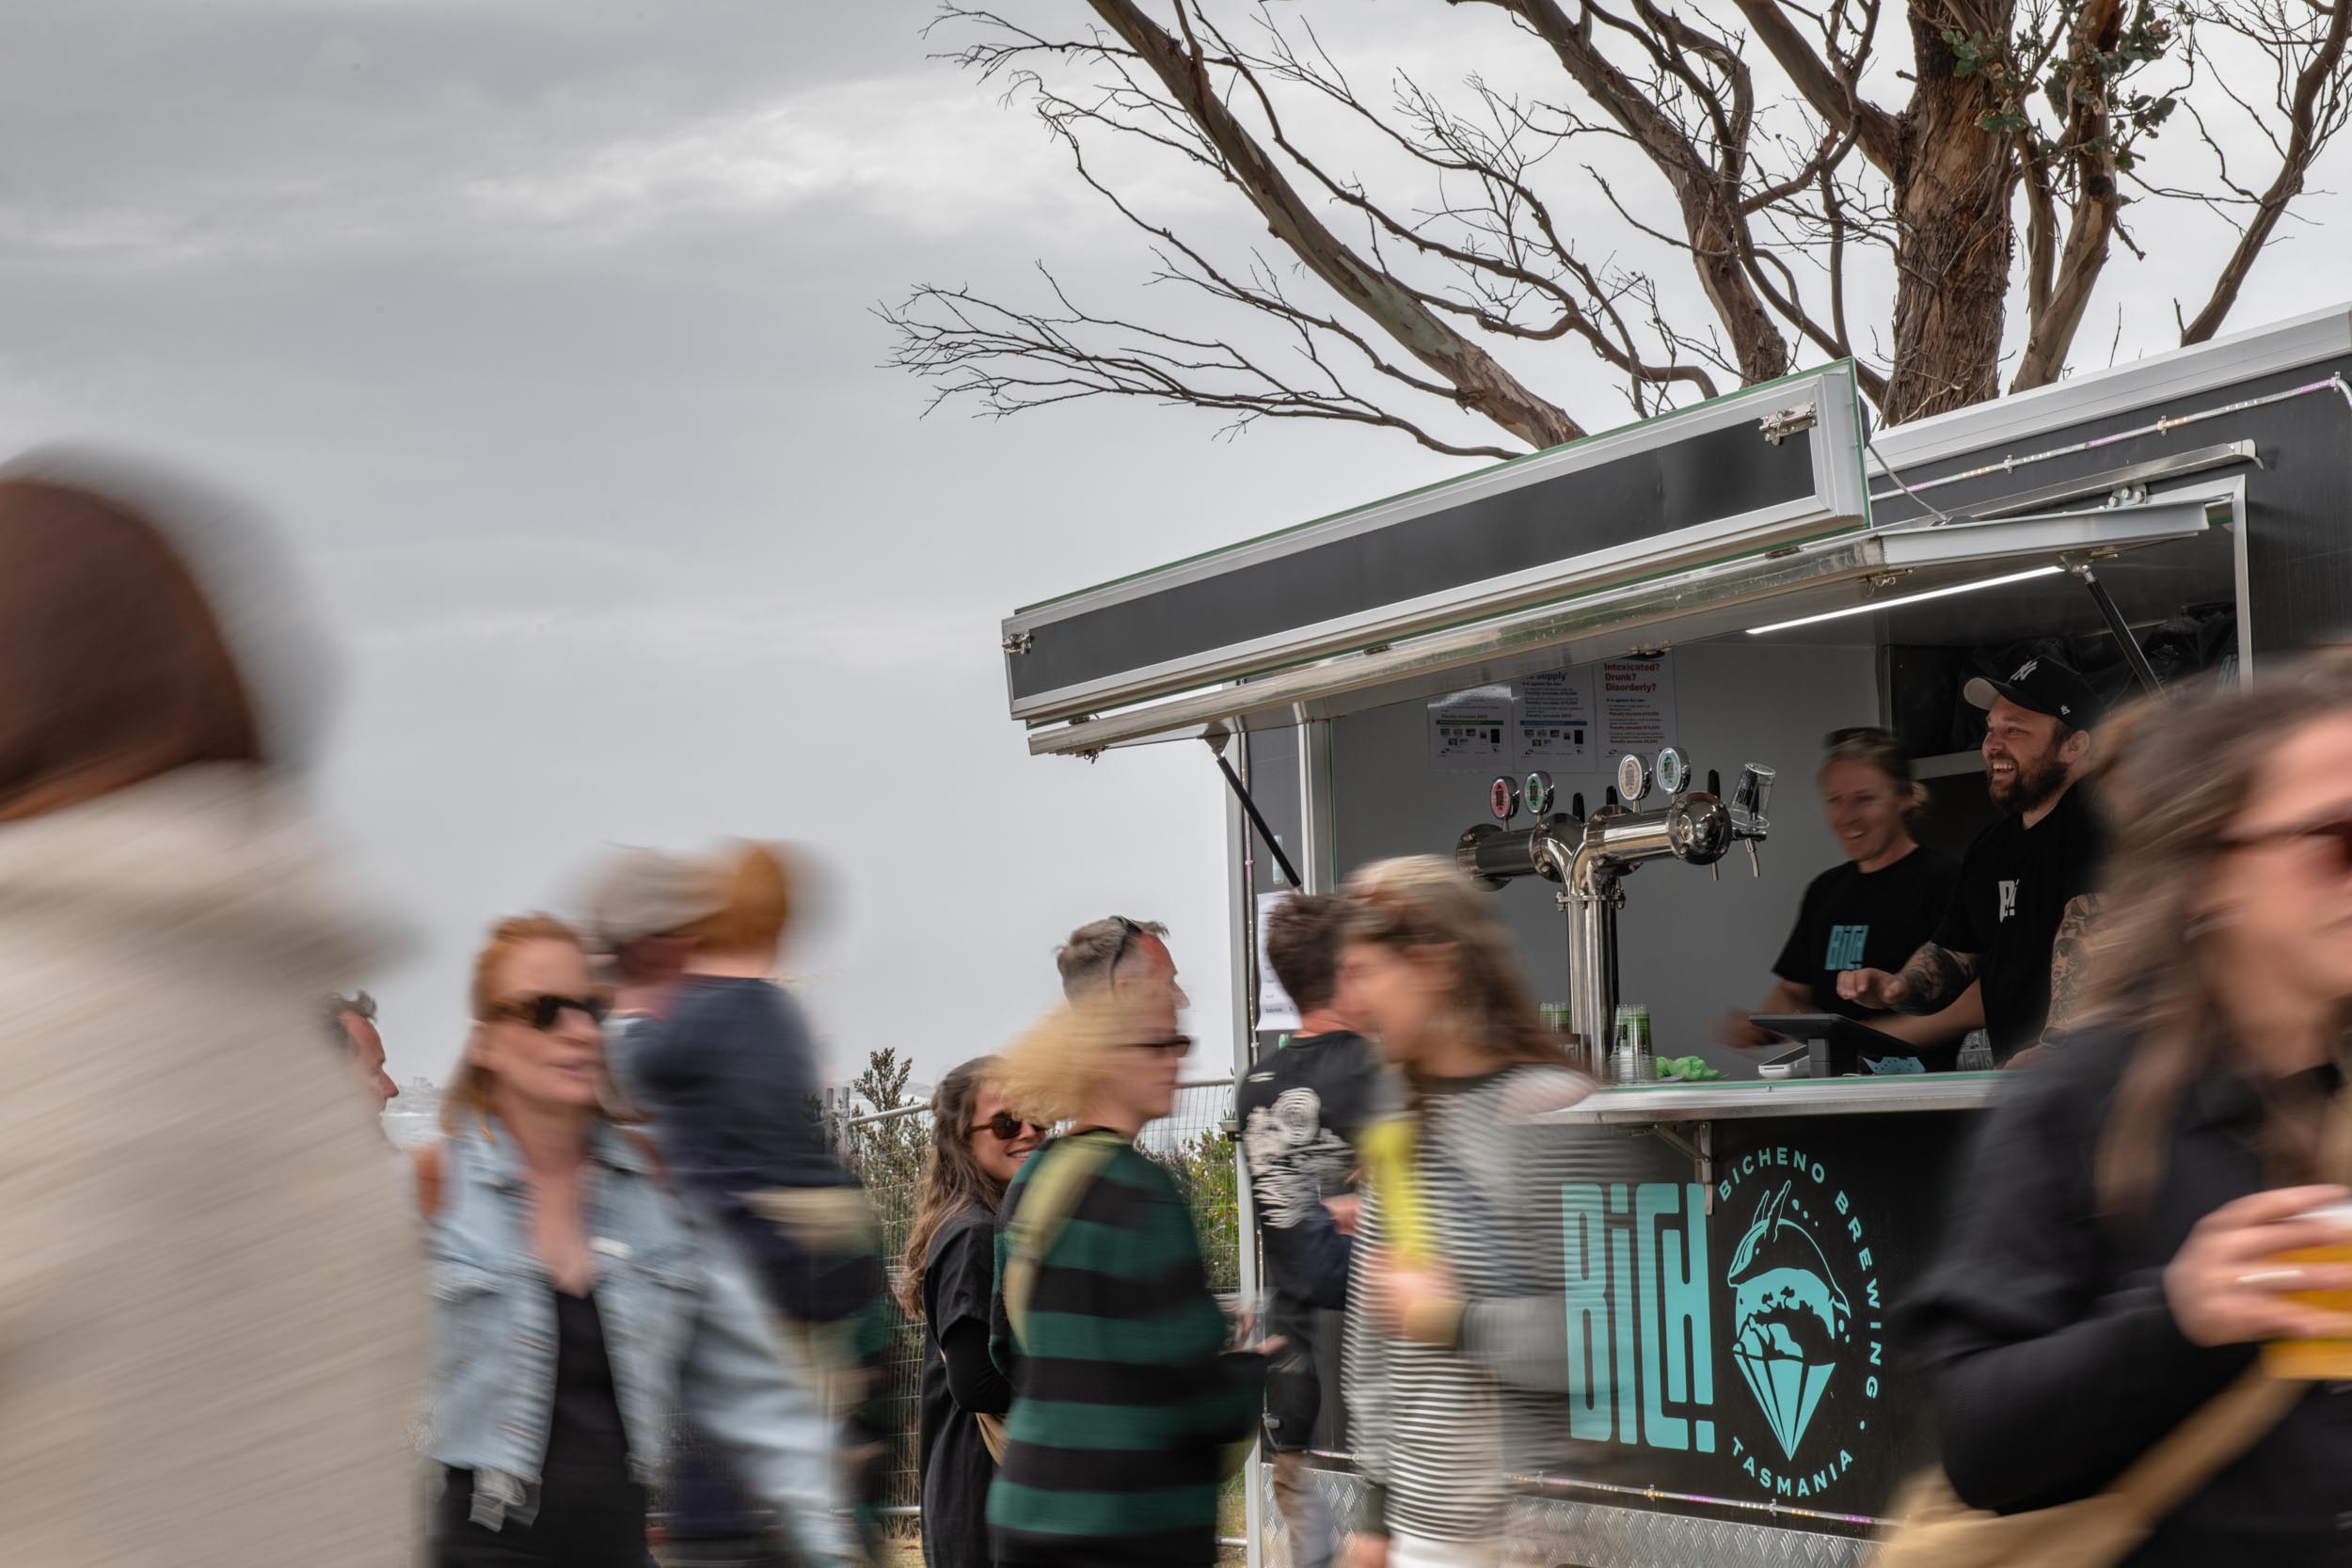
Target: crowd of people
{"points": [[635, 1259]]}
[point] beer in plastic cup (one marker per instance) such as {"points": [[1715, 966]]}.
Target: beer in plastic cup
{"points": [[2316, 1360]]}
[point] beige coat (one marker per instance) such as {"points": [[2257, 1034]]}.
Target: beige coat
{"points": [[211, 1308]]}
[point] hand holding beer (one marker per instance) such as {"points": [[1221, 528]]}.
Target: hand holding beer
{"points": [[2268, 1267], [1874, 989]]}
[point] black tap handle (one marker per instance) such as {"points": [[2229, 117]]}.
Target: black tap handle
{"points": [[1714, 784], [1575, 805]]}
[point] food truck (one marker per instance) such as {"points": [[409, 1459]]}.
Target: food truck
{"points": [[1579, 672]]}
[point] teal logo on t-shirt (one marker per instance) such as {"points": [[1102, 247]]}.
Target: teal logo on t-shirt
{"points": [[1844, 947]]}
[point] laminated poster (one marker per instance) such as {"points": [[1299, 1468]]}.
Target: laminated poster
{"points": [[1637, 703], [1469, 732], [1276, 1012], [1556, 721]]}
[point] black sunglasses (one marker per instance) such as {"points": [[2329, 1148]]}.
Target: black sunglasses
{"points": [[1179, 1044], [1007, 1127], [2338, 831], [1128, 931], [542, 1011]]}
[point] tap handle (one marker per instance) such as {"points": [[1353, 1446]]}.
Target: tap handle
{"points": [[1575, 805], [1715, 784]]}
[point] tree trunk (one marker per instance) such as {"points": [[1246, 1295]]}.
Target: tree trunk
{"points": [[1953, 242]]}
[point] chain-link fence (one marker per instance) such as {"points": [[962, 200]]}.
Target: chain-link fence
{"points": [[887, 1149]]}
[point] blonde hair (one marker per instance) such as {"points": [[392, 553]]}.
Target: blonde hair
{"points": [[754, 888], [468, 1096], [1054, 1071], [1877, 749]]}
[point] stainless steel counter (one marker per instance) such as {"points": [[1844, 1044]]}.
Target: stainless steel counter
{"points": [[1650, 1104]]}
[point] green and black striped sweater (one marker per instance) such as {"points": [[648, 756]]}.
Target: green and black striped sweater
{"points": [[1124, 1398]]}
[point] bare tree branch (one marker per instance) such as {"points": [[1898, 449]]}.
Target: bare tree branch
{"points": [[1834, 94], [1480, 381], [2315, 114]]}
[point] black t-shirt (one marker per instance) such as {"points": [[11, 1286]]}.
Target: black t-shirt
{"points": [[1856, 919], [2014, 886], [959, 1279], [1301, 1108]]}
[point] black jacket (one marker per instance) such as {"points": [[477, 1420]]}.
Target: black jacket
{"points": [[1301, 1109], [2054, 1357]]}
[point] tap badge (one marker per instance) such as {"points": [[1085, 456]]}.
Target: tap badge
{"points": [[1791, 1323]]}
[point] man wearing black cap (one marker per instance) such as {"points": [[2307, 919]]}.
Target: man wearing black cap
{"points": [[2025, 900]]}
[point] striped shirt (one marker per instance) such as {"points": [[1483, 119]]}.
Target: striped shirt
{"points": [[1440, 1428], [1123, 1397]]}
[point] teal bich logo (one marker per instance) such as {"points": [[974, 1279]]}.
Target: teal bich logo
{"points": [[1779, 1295], [1791, 1320]]}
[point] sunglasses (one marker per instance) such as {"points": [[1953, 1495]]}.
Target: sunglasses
{"points": [[1128, 931], [2338, 831], [1008, 1127], [1177, 1045], [542, 1011]]}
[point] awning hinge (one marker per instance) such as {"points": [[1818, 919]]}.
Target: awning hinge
{"points": [[1782, 423]]}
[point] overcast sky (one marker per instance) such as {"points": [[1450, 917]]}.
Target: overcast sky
{"points": [[544, 327]]}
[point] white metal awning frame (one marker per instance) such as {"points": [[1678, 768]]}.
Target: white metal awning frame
{"points": [[1850, 571]]}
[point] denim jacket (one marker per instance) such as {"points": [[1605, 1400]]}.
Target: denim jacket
{"points": [[684, 1326]]}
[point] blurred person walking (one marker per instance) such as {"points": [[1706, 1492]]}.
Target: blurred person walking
{"points": [[209, 1297], [1300, 1108], [1125, 1400], [2113, 1255], [730, 1078], [577, 1307], [639, 908], [1452, 1368], [949, 1282]]}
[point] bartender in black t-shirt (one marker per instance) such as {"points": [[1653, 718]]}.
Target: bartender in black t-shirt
{"points": [[1873, 908], [2025, 903]]}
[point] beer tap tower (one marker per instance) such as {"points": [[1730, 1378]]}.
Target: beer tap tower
{"points": [[1590, 856]]}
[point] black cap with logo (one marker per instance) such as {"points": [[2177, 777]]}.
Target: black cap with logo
{"points": [[2041, 686]]}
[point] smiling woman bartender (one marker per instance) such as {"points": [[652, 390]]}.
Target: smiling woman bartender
{"points": [[1873, 910]]}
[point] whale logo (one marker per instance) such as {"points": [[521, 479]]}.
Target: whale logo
{"points": [[1791, 1320]]}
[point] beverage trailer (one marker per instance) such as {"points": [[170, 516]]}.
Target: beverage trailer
{"points": [[1587, 630]]}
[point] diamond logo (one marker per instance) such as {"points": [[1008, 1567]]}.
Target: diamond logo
{"points": [[1792, 1322]]}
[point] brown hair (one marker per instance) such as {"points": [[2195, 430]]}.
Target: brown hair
{"points": [[469, 1091], [1302, 945], [1424, 902], [953, 1181], [1098, 948], [113, 669], [2176, 778], [1876, 748], [757, 890]]}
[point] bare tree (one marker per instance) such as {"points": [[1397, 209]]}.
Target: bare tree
{"points": [[1761, 127]]}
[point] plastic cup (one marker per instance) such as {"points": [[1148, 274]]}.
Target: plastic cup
{"points": [[2316, 1360]]}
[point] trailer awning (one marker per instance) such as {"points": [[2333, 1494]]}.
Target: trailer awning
{"points": [[1779, 591], [1764, 466]]}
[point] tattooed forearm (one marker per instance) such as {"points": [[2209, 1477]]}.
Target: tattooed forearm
{"points": [[2069, 966], [1934, 977]]}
